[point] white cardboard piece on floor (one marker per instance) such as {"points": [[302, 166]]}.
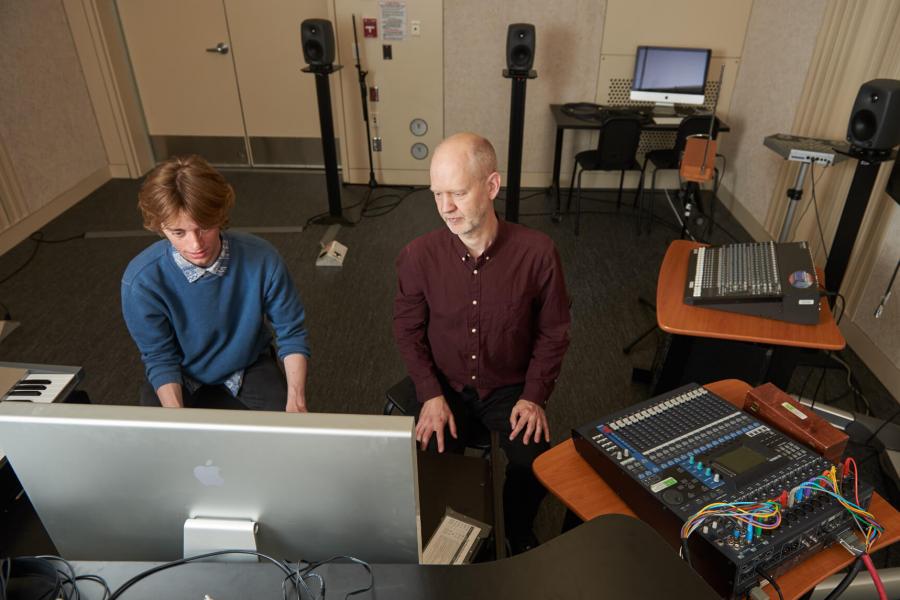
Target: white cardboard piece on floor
{"points": [[332, 255]]}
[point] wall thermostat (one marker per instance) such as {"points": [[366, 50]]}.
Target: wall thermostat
{"points": [[419, 151], [418, 127]]}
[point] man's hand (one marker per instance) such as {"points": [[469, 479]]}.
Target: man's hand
{"points": [[169, 395], [531, 417], [435, 414], [295, 374], [296, 403]]}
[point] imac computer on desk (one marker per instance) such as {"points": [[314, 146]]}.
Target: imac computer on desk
{"points": [[670, 76], [154, 484]]}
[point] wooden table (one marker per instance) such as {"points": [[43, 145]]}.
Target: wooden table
{"points": [[568, 477], [752, 348], [674, 316]]}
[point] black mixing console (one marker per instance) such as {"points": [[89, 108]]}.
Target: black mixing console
{"points": [[673, 455], [776, 281]]}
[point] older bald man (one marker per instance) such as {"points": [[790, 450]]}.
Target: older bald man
{"points": [[481, 319]]}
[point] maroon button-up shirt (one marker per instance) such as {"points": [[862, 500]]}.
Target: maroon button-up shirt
{"points": [[498, 320]]}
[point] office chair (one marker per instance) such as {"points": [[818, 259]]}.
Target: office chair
{"points": [[616, 150], [670, 158]]}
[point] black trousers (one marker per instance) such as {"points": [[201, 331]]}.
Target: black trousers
{"points": [[522, 492], [264, 388]]}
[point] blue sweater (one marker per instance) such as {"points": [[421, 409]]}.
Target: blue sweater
{"points": [[215, 326]]}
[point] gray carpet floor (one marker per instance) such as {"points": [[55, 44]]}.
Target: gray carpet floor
{"points": [[67, 296]]}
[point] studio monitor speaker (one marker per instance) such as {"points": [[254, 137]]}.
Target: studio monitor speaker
{"points": [[520, 47], [875, 119], [317, 37]]}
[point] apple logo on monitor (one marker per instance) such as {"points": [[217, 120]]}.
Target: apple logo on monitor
{"points": [[208, 474]]}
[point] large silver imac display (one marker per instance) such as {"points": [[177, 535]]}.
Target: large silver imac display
{"points": [[669, 76], [121, 482]]}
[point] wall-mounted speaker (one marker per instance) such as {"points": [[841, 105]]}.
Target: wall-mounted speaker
{"points": [[520, 47], [875, 118], [317, 37]]}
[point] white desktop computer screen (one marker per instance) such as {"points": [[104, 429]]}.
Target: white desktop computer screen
{"points": [[669, 76], [119, 482]]}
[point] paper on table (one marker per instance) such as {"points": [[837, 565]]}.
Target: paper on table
{"points": [[451, 543]]}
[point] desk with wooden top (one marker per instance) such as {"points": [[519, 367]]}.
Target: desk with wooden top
{"points": [[571, 479], [686, 323]]}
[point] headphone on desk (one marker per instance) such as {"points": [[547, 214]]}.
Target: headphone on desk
{"points": [[29, 578]]}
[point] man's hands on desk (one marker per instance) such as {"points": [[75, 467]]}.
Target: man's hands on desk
{"points": [[436, 415]]}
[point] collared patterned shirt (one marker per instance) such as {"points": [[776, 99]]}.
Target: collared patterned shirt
{"points": [[194, 273]]}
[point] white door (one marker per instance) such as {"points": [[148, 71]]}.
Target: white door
{"points": [[183, 63]]}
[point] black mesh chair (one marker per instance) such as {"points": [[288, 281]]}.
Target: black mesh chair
{"points": [[616, 150], [670, 158]]}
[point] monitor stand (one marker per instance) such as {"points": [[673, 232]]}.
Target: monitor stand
{"points": [[664, 109], [202, 536]]}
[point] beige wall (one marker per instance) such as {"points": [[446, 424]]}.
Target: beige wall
{"points": [[51, 150], [765, 98], [47, 122], [477, 97], [581, 45]]}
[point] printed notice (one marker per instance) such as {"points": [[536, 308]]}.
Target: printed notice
{"points": [[393, 20]]}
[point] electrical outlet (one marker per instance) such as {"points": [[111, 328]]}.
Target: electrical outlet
{"points": [[415, 28], [376, 144], [374, 118]]}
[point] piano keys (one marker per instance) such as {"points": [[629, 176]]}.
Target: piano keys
{"points": [[41, 383], [41, 387]]}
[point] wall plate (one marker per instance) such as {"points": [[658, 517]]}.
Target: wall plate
{"points": [[418, 127], [419, 151]]}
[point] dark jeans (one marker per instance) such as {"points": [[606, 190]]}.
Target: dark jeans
{"points": [[264, 388], [522, 492]]}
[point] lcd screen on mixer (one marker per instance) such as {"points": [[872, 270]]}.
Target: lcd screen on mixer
{"points": [[740, 460]]}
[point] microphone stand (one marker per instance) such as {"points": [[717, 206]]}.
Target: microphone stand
{"points": [[361, 75]]}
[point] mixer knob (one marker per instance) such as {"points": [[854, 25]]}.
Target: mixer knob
{"points": [[618, 456], [627, 453], [716, 478], [708, 471]]}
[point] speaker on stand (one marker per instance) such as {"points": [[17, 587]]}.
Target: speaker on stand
{"points": [[873, 132], [317, 38], [520, 38]]}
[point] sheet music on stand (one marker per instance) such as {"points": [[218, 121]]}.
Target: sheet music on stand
{"points": [[456, 540]]}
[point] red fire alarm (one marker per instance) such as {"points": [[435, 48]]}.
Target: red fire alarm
{"points": [[370, 28]]}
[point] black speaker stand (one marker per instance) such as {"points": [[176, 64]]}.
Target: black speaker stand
{"points": [[329, 151], [852, 215], [516, 131]]}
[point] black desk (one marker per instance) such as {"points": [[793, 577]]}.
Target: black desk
{"points": [[612, 556], [564, 121]]}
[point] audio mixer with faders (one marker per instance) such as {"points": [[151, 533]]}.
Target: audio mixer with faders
{"points": [[738, 496]]}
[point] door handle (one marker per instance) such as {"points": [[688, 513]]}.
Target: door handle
{"points": [[221, 48]]}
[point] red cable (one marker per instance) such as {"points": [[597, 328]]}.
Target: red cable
{"points": [[882, 594]]}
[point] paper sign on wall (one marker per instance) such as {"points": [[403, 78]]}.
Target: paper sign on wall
{"points": [[393, 20]]}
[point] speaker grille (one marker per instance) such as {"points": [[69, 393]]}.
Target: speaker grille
{"points": [[313, 50], [864, 125]]}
